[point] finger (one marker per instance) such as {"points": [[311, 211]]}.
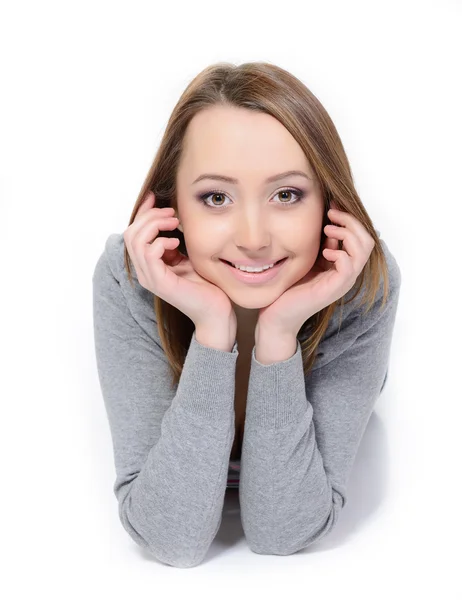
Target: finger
{"points": [[350, 240], [146, 236], [342, 261], [145, 214], [147, 203], [151, 229], [331, 243], [347, 220], [142, 231], [151, 258]]}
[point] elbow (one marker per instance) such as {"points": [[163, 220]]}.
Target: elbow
{"points": [[175, 553], [175, 560], [306, 536]]}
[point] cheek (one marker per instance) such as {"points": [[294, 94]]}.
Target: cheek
{"points": [[306, 243], [306, 253], [200, 244], [203, 249]]}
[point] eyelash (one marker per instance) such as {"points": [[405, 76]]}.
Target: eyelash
{"points": [[299, 194]]}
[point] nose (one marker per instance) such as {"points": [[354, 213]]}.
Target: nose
{"points": [[252, 233]]}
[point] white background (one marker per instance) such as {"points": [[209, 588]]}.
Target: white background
{"points": [[86, 92]]}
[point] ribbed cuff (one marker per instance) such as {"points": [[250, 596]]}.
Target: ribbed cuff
{"points": [[276, 394], [207, 383]]}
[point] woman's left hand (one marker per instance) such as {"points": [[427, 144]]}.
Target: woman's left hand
{"points": [[330, 278]]}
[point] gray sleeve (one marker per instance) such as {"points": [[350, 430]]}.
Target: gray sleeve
{"points": [[171, 446], [302, 434]]}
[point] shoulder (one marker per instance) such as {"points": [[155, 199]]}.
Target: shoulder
{"points": [[394, 272], [111, 276], [114, 258], [113, 254]]}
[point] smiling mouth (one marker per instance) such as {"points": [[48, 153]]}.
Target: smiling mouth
{"points": [[231, 264]]}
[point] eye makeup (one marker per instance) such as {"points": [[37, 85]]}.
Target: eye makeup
{"points": [[299, 196]]}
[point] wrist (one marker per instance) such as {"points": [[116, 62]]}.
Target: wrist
{"points": [[272, 346], [220, 336]]}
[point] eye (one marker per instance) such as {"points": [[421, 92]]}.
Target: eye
{"points": [[299, 195]]}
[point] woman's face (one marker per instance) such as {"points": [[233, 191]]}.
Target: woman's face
{"points": [[250, 219]]}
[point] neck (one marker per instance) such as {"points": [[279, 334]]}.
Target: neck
{"points": [[247, 319]]}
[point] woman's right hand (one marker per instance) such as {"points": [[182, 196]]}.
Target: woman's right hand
{"points": [[165, 272]]}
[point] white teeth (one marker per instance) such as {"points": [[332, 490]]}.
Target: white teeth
{"points": [[254, 269]]}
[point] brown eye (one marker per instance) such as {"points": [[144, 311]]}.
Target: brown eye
{"points": [[297, 194]]}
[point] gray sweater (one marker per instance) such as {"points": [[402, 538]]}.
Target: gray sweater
{"points": [[172, 445]]}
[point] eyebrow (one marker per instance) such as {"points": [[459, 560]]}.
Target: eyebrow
{"points": [[235, 181]]}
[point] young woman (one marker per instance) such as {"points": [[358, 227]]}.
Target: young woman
{"points": [[251, 174]]}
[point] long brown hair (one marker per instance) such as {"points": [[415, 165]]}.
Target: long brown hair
{"points": [[260, 87]]}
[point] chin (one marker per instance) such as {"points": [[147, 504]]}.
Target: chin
{"points": [[254, 299]]}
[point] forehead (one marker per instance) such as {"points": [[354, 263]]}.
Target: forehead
{"points": [[236, 141]]}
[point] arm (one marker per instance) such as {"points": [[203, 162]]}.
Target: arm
{"points": [[171, 447], [302, 436]]}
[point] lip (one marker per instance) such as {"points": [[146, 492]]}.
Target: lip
{"points": [[258, 263], [255, 277]]}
